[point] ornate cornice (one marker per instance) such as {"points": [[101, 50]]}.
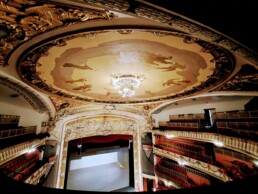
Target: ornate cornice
{"points": [[92, 110], [102, 125], [245, 80], [22, 20], [177, 22], [35, 177], [35, 100]]}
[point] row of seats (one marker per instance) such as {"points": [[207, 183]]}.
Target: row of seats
{"points": [[238, 114], [16, 163], [238, 124], [17, 131], [183, 169], [32, 169], [183, 144], [183, 182], [9, 121], [200, 157], [243, 124], [173, 166]]}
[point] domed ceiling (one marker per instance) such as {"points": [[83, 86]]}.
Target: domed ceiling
{"points": [[73, 51], [82, 66]]}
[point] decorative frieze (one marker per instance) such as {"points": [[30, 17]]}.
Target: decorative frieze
{"points": [[167, 182], [146, 10], [43, 171], [242, 145], [199, 165], [103, 125], [245, 80], [21, 20], [119, 5]]}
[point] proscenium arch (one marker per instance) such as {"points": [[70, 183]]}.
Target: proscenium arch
{"points": [[140, 125]]}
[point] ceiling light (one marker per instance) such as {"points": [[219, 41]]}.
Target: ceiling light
{"points": [[255, 163], [127, 84], [169, 136], [31, 150], [182, 163], [218, 143]]}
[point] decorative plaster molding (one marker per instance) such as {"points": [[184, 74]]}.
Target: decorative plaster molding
{"points": [[35, 177], [241, 145], [35, 100], [178, 22], [103, 125], [199, 165], [28, 68], [148, 176], [22, 20], [12, 152], [100, 125], [167, 181]]}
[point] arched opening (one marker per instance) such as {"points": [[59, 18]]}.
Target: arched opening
{"points": [[100, 163]]}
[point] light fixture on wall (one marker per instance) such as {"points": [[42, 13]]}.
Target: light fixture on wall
{"points": [[126, 84], [79, 148], [169, 136], [129, 143], [255, 163], [218, 143], [182, 163]]}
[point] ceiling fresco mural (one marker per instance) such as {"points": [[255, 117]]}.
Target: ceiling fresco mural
{"points": [[81, 66], [72, 51]]}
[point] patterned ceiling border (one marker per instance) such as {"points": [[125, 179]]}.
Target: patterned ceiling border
{"points": [[21, 20], [245, 80], [147, 10], [61, 104], [224, 64], [35, 101], [109, 108]]}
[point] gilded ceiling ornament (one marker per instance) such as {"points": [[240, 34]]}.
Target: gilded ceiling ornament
{"points": [[120, 5], [20, 20], [245, 80], [100, 125], [125, 31], [146, 11], [60, 103]]}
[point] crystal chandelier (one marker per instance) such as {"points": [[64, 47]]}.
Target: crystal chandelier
{"points": [[126, 84]]}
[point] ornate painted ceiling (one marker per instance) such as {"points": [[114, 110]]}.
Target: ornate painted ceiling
{"points": [[71, 50]]}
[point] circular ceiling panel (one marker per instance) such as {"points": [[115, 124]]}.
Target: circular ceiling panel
{"points": [[84, 66]]}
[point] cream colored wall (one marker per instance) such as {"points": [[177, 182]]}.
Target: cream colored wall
{"points": [[221, 104], [28, 116]]}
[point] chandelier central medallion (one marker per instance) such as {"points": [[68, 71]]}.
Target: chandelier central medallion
{"points": [[127, 84]]}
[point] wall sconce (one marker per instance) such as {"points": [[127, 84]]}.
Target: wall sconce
{"points": [[218, 143]]}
